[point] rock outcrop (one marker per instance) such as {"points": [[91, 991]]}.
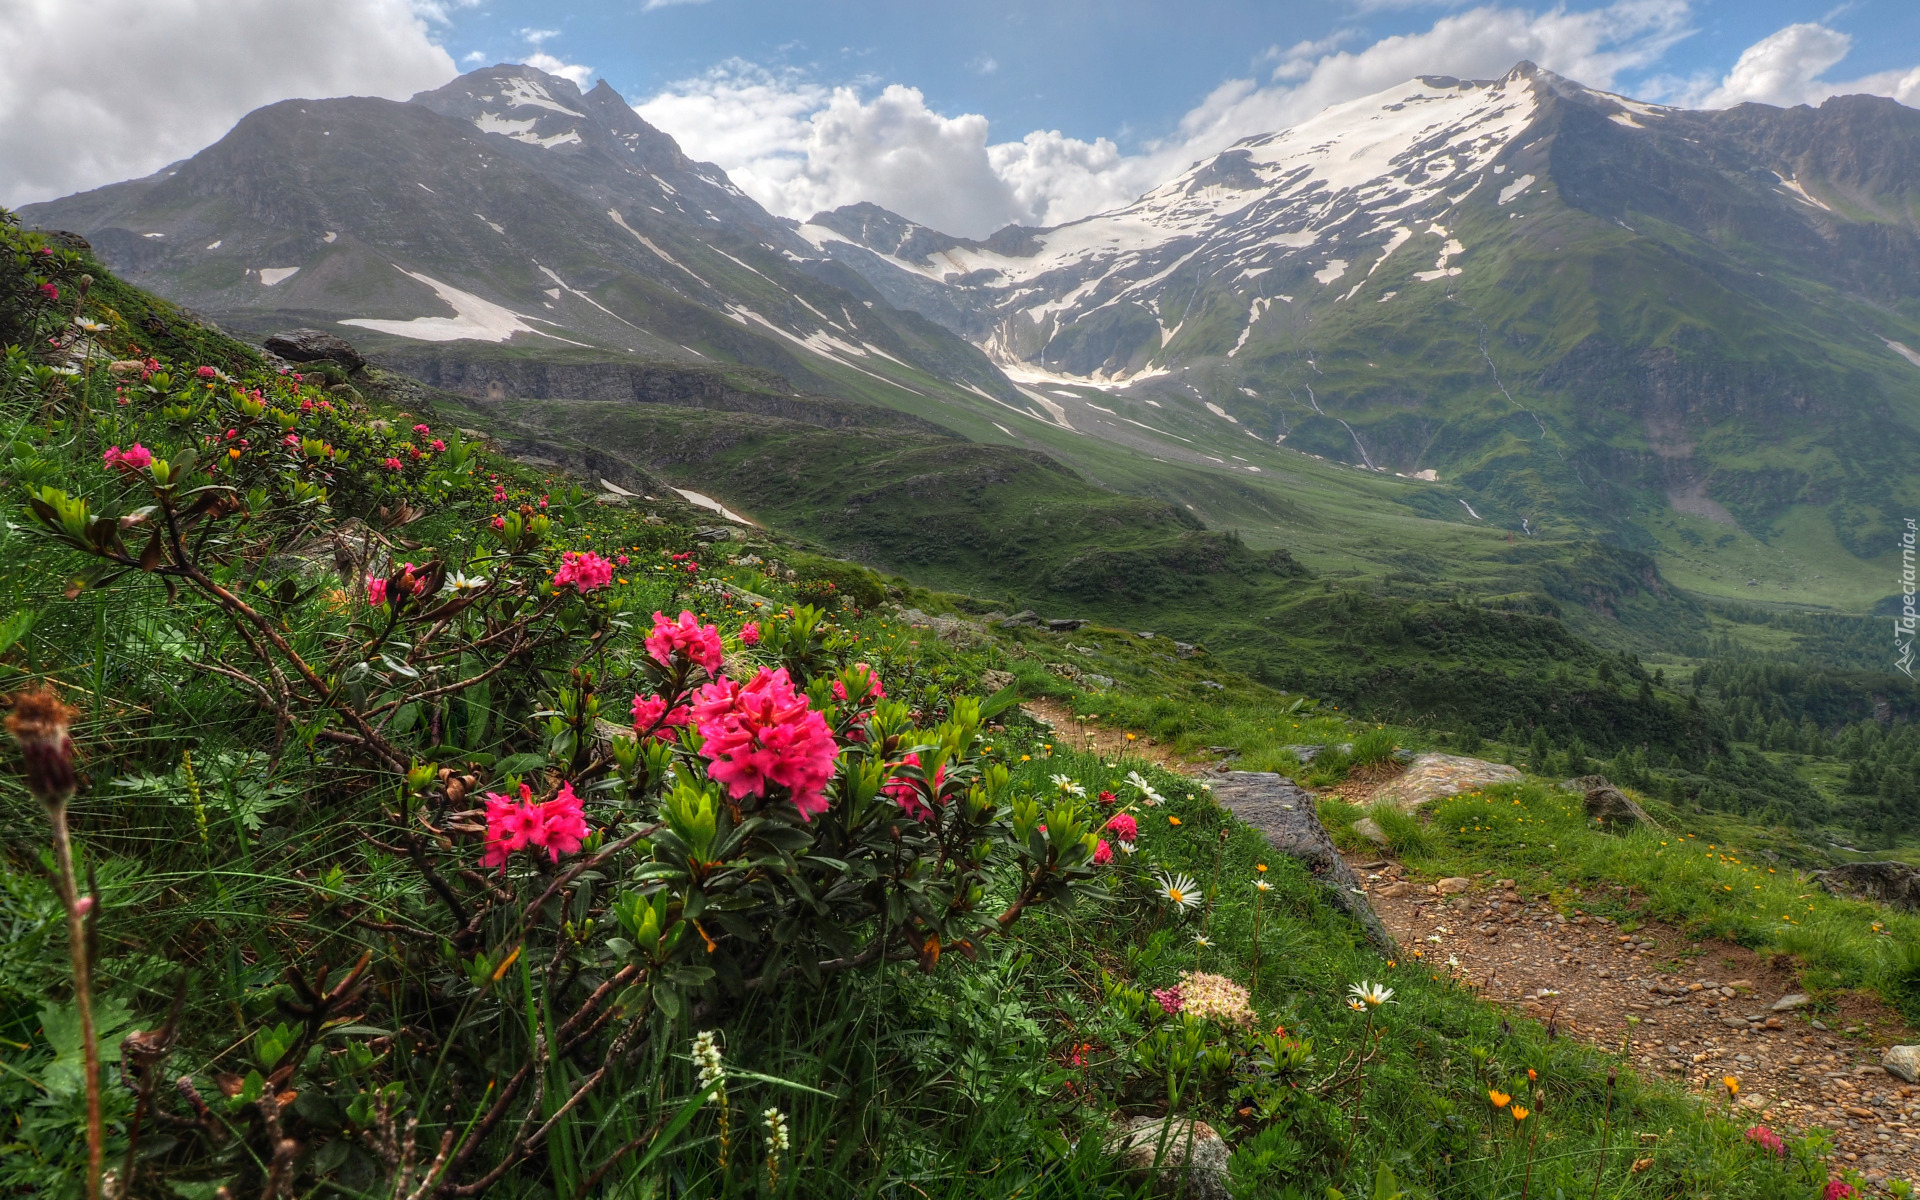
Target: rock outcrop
{"points": [[1891, 883], [1434, 776], [1287, 815]]}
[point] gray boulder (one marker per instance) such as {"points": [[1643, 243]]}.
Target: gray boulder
{"points": [[1609, 805], [1903, 1061], [1176, 1156], [1890, 883], [313, 345], [1287, 816]]}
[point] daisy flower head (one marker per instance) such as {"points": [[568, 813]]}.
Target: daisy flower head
{"points": [[1261, 885], [1067, 786], [1202, 940], [1179, 890], [1372, 994], [1139, 782], [1356, 1005]]}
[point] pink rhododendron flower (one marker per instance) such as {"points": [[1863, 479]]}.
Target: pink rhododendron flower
{"points": [[1124, 827], [906, 792], [1170, 999], [1837, 1189], [306, 406], [499, 495], [135, 458], [1102, 853], [762, 734], [584, 570], [1109, 798], [563, 824], [510, 825], [49, 291], [651, 711], [422, 430], [499, 522], [700, 643], [874, 690], [394, 464], [376, 590], [1767, 1140], [438, 445], [558, 826], [205, 372], [749, 633], [621, 561]]}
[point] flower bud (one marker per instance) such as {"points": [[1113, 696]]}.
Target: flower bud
{"points": [[39, 722]]}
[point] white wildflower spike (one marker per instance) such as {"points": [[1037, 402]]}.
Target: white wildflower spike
{"points": [[776, 1123], [706, 1058], [1179, 890], [1371, 994]]}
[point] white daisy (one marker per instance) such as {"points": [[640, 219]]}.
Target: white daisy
{"points": [[1179, 890], [1372, 994]]}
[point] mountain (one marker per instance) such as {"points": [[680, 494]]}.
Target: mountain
{"points": [[1692, 333], [509, 207]]}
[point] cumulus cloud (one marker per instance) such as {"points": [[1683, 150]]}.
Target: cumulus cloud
{"points": [[798, 146], [1785, 68], [140, 83]]}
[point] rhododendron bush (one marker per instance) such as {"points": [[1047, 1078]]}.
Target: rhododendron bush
{"points": [[654, 813]]}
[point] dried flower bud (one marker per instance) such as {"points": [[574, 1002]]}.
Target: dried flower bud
{"points": [[39, 722]]}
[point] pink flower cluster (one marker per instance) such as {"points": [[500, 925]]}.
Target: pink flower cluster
{"points": [[205, 372], [1837, 1189], [763, 734], [1170, 999], [874, 690], [135, 458], [558, 826], [408, 581], [394, 464], [699, 643], [584, 570], [1102, 853], [49, 291], [650, 713], [1767, 1140], [906, 792], [1124, 827], [749, 633]]}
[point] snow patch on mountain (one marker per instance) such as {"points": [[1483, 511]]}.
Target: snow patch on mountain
{"points": [[474, 319]]}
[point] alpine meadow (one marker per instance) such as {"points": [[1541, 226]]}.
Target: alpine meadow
{"points": [[1379, 667]]}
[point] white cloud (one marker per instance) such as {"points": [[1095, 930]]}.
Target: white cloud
{"points": [[140, 83], [536, 36], [1785, 68], [581, 75], [798, 146], [650, 5]]}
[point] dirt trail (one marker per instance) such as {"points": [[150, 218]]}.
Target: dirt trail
{"points": [[1581, 974], [1692, 998]]}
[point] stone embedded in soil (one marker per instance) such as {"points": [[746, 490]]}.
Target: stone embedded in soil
{"points": [[1903, 1061], [1370, 829], [1432, 776], [1288, 817]]}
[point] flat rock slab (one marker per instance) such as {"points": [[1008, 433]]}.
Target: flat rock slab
{"points": [[1285, 813], [1433, 776]]}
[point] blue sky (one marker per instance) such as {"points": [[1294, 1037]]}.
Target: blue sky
{"points": [[965, 116], [1123, 69]]}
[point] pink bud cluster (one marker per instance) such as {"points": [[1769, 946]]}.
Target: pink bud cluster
{"points": [[652, 716]]}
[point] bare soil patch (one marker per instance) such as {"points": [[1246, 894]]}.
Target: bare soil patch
{"points": [[1585, 977]]}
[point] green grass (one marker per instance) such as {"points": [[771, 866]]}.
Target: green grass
{"points": [[229, 850]]}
